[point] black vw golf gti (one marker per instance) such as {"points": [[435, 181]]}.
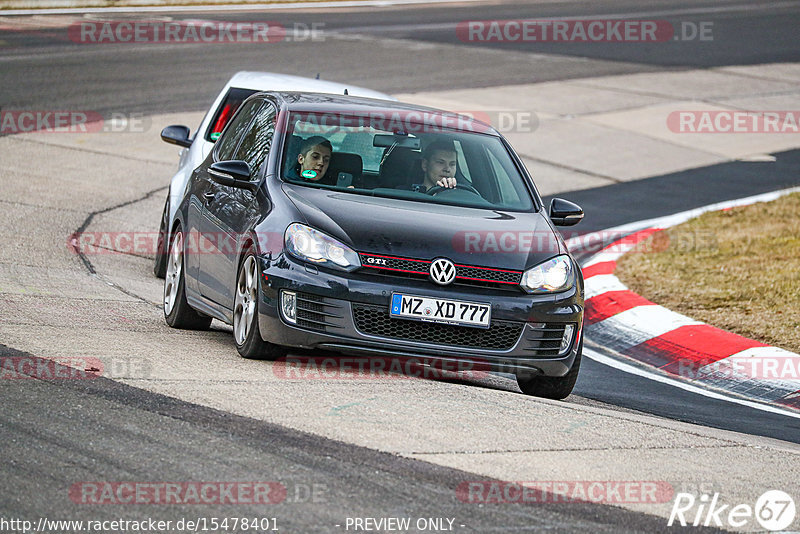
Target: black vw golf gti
{"points": [[381, 229]]}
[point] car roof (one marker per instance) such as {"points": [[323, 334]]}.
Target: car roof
{"points": [[391, 110], [272, 81]]}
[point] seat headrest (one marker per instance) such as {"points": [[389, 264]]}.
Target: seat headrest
{"points": [[293, 146], [347, 162], [399, 167]]}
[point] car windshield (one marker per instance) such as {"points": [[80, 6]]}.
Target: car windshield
{"points": [[391, 155]]}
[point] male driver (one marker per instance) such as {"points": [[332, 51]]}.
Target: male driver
{"points": [[312, 160], [439, 162]]}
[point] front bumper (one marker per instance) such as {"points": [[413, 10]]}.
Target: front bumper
{"points": [[349, 312]]}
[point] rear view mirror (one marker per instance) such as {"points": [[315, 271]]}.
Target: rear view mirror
{"points": [[176, 135], [402, 141], [565, 213]]}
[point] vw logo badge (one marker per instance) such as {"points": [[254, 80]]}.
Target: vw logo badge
{"points": [[443, 271]]}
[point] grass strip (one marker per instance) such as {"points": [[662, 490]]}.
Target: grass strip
{"points": [[737, 269]]}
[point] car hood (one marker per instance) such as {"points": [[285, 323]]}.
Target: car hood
{"points": [[422, 230]]}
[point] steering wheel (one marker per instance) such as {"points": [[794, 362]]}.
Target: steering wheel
{"points": [[436, 189]]}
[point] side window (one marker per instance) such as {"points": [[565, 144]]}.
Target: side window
{"points": [[256, 142], [507, 191], [225, 112], [462, 162], [236, 129]]}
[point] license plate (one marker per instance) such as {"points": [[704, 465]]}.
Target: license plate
{"points": [[445, 311]]}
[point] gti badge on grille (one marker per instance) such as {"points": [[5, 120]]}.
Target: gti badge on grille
{"points": [[443, 271]]}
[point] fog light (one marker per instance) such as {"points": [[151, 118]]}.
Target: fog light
{"points": [[289, 306], [566, 339]]}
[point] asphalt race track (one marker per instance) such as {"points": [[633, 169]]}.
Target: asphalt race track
{"points": [[188, 409]]}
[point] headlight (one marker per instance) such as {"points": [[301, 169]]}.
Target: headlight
{"points": [[313, 246], [551, 276]]}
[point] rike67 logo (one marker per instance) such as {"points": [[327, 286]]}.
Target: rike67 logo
{"points": [[774, 510]]}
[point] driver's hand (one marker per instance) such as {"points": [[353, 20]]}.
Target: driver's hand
{"points": [[449, 182]]}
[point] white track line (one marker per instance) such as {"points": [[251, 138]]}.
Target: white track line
{"points": [[235, 7], [575, 243], [627, 323], [390, 3], [627, 368]]}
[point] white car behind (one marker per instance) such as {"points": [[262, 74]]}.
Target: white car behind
{"points": [[196, 148]]}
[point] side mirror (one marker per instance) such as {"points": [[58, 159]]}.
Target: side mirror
{"points": [[233, 173], [176, 135], [565, 213]]}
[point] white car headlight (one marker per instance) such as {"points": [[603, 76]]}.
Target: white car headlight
{"points": [[305, 243], [552, 276]]}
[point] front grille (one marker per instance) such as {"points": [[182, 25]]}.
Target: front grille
{"points": [[544, 339], [398, 264], [375, 320], [488, 275], [314, 313], [465, 274]]}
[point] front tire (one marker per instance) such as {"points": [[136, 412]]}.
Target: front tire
{"points": [[552, 387], [246, 331], [177, 311]]}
